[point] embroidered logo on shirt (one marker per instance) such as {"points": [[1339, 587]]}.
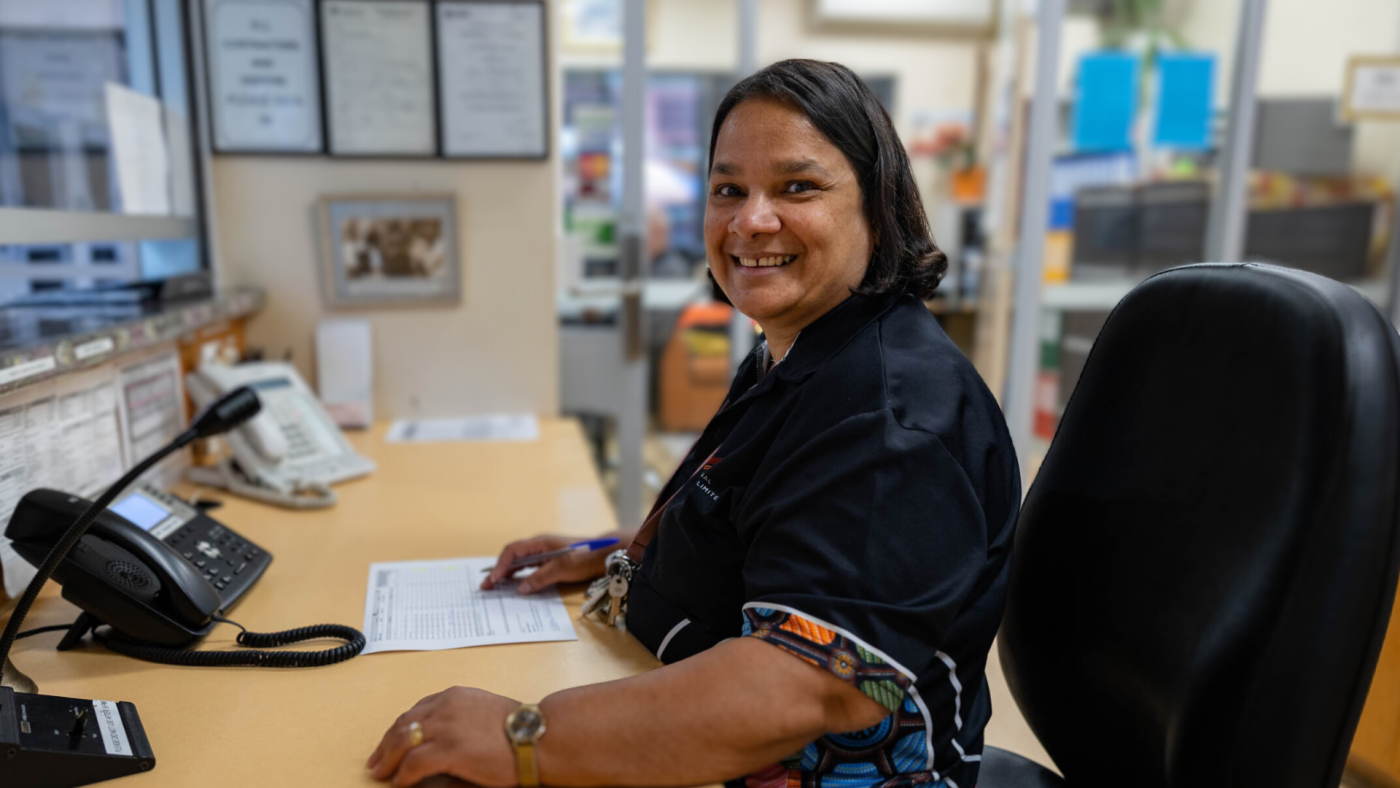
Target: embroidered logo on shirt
{"points": [[704, 484]]}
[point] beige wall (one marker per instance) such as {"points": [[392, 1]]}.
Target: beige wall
{"points": [[497, 351], [936, 73], [933, 72]]}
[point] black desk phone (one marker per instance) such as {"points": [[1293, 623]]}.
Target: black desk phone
{"points": [[154, 568]]}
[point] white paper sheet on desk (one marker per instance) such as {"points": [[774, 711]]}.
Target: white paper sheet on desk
{"points": [[433, 605], [510, 427]]}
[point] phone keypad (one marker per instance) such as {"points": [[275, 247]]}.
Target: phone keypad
{"points": [[300, 442], [228, 561]]}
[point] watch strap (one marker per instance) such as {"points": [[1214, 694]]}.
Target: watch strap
{"points": [[527, 768]]}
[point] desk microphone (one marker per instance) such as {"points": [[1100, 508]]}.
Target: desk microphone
{"points": [[48, 740]]}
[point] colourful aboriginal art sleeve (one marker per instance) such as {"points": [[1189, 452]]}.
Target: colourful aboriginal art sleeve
{"points": [[894, 752]]}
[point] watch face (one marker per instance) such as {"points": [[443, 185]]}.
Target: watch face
{"points": [[526, 725]]}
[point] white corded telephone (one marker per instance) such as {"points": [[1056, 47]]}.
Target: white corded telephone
{"points": [[290, 447]]}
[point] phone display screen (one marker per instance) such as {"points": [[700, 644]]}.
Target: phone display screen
{"points": [[140, 510]]}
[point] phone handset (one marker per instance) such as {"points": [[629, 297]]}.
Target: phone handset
{"points": [[117, 572], [265, 437], [290, 452], [261, 432]]}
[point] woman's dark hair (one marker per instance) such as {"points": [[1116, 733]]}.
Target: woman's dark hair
{"points": [[844, 109]]}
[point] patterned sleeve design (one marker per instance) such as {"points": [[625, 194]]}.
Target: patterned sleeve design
{"points": [[894, 752]]}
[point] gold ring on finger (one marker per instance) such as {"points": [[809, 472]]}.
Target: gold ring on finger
{"points": [[415, 734]]}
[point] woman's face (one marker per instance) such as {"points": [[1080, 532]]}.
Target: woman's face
{"points": [[785, 232]]}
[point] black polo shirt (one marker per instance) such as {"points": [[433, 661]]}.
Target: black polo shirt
{"points": [[856, 508]]}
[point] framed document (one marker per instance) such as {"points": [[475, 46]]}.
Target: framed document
{"points": [[492, 98], [264, 92], [1372, 89], [378, 77]]}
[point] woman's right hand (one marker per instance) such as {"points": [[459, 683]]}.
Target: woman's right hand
{"points": [[571, 568]]}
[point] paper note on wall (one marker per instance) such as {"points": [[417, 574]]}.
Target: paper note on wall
{"points": [[62, 434], [1185, 100], [137, 126], [1106, 101]]}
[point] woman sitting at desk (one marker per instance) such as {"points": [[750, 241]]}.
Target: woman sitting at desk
{"points": [[825, 572]]}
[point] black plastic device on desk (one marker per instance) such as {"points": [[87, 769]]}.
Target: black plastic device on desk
{"points": [[153, 567], [58, 742]]}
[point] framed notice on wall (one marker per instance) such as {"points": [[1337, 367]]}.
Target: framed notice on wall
{"points": [[1372, 89], [378, 77], [264, 92], [492, 95]]}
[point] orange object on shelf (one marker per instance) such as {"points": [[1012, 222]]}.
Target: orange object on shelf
{"points": [[969, 185], [695, 368]]}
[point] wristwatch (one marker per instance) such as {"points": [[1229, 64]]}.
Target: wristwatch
{"points": [[524, 727]]}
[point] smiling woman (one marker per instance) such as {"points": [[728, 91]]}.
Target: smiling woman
{"points": [[825, 572], [809, 153]]}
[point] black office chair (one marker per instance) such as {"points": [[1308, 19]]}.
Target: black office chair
{"points": [[1204, 568]]}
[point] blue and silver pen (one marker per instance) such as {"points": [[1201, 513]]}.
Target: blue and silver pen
{"points": [[539, 558]]}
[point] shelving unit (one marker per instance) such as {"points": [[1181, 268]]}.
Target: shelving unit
{"points": [[42, 342]]}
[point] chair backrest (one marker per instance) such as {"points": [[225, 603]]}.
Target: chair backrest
{"points": [[1205, 565]]}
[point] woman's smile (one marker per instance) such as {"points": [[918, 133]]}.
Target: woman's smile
{"points": [[770, 264]]}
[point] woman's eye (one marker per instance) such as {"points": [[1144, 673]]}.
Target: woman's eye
{"points": [[726, 190], [798, 187]]}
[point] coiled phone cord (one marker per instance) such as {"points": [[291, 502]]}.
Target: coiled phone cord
{"points": [[252, 657]]}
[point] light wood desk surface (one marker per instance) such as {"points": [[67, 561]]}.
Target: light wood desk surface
{"points": [[316, 726]]}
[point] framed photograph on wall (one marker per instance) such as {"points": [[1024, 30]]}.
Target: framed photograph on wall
{"points": [[264, 85], [390, 250], [378, 77], [492, 97]]}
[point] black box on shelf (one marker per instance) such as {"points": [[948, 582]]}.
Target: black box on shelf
{"points": [[1131, 232]]}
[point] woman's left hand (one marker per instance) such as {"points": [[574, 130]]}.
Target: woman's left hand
{"points": [[463, 735]]}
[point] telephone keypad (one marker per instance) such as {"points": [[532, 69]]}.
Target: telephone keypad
{"points": [[230, 563]]}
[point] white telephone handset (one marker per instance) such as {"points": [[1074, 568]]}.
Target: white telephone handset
{"points": [[292, 442]]}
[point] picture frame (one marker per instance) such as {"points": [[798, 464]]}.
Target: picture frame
{"points": [[379, 83], [1372, 89], [390, 250], [263, 73], [483, 113]]}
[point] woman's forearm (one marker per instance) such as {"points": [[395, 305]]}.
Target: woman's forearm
{"points": [[729, 711]]}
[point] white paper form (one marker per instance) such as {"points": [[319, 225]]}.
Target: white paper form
{"points": [[61, 434], [516, 427], [434, 605]]}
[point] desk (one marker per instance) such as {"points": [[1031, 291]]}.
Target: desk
{"points": [[315, 726]]}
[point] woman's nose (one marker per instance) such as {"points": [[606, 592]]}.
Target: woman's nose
{"points": [[755, 217]]}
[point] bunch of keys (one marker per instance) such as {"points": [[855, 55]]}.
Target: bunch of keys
{"points": [[607, 596]]}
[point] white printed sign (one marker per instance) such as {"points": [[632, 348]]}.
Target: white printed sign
{"points": [[262, 75], [1373, 89], [27, 369], [94, 347]]}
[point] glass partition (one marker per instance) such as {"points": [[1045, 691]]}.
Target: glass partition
{"points": [[98, 178]]}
